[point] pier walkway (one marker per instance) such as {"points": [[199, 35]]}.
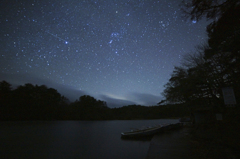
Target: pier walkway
{"points": [[171, 145]]}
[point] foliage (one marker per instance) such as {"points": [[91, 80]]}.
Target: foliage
{"points": [[196, 9], [151, 112], [29, 102], [202, 74], [5, 89], [88, 108]]}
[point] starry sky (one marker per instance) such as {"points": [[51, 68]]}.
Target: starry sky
{"points": [[119, 51]]}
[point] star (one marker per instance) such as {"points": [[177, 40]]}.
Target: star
{"points": [[119, 49]]}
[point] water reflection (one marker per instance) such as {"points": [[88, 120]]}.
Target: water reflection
{"points": [[72, 139]]}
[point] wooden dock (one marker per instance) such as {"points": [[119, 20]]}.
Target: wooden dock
{"points": [[172, 145], [151, 131]]}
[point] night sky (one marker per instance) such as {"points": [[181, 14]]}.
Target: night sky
{"points": [[119, 51]]}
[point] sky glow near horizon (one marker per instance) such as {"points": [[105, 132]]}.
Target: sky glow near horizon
{"points": [[120, 51]]}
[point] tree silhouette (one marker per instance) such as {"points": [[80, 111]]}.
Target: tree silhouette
{"points": [[197, 9], [175, 89], [87, 100], [33, 102], [195, 81], [36, 102], [5, 87], [5, 100], [224, 52], [203, 74], [5, 92], [88, 108]]}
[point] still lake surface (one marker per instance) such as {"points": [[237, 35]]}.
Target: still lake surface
{"points": [[73, 139]]}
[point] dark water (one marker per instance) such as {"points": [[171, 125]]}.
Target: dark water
{"points": [[72, 139]]}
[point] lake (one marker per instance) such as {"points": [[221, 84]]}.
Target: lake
{"points": [[73, 139]]}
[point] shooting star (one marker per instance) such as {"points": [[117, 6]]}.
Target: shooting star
{"points": [[66, 42]]}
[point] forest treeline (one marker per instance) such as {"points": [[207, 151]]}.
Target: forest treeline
{"points": [[198, 81], [29, 102], [214, 65]]}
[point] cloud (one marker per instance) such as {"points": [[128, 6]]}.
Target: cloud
{"points": [[20, 79], [144, 98], [72, 93], [114, 102], [131, 99]]}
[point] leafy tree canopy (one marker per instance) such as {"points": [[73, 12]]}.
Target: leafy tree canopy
{"points": [[197, 9]]}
